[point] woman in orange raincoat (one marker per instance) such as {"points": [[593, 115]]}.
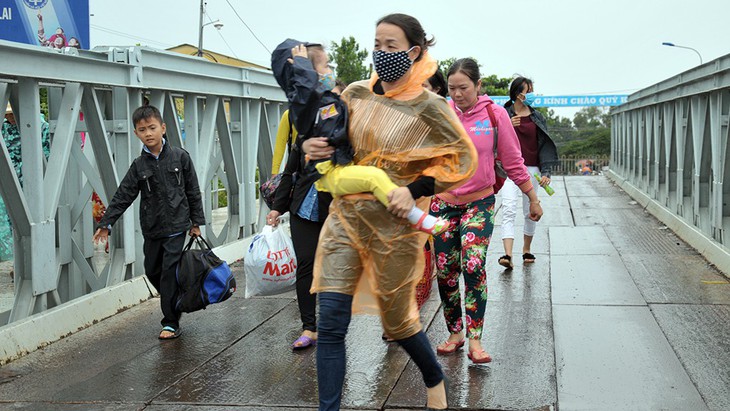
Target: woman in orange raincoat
{"points": [[368, 256]]}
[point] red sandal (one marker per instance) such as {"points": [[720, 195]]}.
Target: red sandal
{"points": [[483, 357], [449, 347]]}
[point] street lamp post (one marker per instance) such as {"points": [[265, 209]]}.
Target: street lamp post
{"points": [[666, 43], [200, 27], [217, 24]]}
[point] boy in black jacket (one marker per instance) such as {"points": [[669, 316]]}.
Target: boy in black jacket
{"points": [[171, 205]]}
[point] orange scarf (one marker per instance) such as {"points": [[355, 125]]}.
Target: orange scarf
{"points": [[412, 84]]}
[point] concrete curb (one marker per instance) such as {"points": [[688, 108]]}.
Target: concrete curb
{"points": [[234, 251], [713, 251], [37, 331]]}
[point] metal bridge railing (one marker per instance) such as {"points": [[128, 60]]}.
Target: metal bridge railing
{"points": [[230, 119], [670, 144]]}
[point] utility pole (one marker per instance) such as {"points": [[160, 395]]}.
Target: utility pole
{"points": [[200, 28]]}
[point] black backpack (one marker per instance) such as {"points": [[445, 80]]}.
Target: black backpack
{"points": [[202, 278]]}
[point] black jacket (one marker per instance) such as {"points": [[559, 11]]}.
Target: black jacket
{"points": [[171, 201], [295, 185], [315, 112], [547, 152]]}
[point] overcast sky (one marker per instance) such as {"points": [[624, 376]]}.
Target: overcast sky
{"points": [[565, 46]]}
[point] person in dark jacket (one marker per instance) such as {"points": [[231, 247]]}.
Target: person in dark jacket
{"points": [[171, 205], [540, 154], [308, 209], [306, 223]]}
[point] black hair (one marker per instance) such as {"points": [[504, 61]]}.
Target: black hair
{"points": [[516, 87], [341, 84], [78, 42], [437, 82], [415, 34], [146, 112], [468, 66]]}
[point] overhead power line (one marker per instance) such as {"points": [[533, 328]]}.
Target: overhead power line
{"points": [[222, 38], [249, 28], [127, 35]]}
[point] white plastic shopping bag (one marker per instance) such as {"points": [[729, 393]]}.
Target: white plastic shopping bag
{"points": [[270, 263]]}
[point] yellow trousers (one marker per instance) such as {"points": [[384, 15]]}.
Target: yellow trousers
{"points": [[352, 179]]}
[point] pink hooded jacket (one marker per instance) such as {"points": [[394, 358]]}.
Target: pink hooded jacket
{"points": [[479, 128]]}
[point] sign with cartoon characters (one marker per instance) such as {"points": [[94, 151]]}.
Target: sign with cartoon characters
{"points": [[46, 23]]}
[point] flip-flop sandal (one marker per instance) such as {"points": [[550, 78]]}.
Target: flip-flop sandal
{"points": [[483, 357], [528, 258], [175, 333], [303, 342], [506, 261], [449, 347]]}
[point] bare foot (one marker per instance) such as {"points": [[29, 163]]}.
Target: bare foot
{"points": [[436, 397], [164, 334]]}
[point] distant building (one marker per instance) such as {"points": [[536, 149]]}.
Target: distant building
{"points": [[191, 50]]}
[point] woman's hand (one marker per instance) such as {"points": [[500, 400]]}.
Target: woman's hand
{"points": [[272, 218], [544, 181], [318, 148], [535, 211], [101, 235], [401, 202], [515, 121]]}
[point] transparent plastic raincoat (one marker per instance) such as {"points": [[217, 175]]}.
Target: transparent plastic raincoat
{"points": [[364, 250]]}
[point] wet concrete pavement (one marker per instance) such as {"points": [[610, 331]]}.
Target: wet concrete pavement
{"points": [[616, 313]]}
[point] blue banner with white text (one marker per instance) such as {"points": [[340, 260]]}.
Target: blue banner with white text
{"points": [[572, 101], [47, 23]]}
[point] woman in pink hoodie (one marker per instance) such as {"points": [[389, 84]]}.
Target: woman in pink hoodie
{"points": [[462, 249]]}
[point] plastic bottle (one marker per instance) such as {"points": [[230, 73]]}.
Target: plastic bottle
{"points": [[549, 190]]}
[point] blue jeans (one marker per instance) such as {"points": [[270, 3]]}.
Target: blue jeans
{"points": [[335, 311]]}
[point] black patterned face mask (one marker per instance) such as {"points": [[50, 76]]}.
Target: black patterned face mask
{"points": [[391, 66]]}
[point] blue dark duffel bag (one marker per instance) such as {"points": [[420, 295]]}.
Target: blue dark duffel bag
{"points": [[202, 277]]}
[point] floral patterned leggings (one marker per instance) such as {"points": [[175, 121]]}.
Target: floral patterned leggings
{"points": [[463, 249]]}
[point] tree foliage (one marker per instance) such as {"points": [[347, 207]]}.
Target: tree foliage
{"points": [[349, 60], [592, 117], [445, 64], [561, 128], [491, 85], [595, 142], [496, 86]]}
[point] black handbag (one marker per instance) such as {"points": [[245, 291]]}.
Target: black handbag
{"points": [[202, 278], [269, 187]]}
